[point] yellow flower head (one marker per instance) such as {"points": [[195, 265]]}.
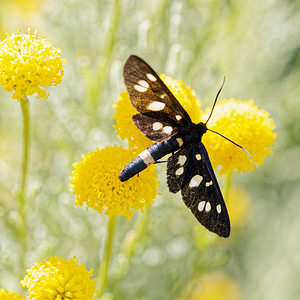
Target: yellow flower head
{"points": [[95, 182], [245, 124], [124, 112], [215, 286], [9, 295], [28, 65], [57, 278]]}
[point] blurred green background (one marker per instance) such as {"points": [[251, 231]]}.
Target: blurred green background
{"points": [[256, 44]]}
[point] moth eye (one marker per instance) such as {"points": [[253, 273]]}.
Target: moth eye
{"points": [[157, 126], [156, 106], [167, 129], [195, 181], [219, 208], [151, 77]]}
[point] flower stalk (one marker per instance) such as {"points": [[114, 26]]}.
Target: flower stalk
{"points": [[227, 185], [131, 239], [25, 160], [97, 85], [103, 273]]}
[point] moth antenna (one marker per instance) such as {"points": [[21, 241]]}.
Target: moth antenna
{"points": [[231, 142], [218, 93]]}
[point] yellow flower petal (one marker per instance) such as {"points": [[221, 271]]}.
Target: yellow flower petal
{"points": [[28, 65], [9, 295], [124, 112], [95, 183], [245, 124], [57, 278]]}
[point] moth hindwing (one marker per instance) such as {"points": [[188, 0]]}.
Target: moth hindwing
{"points": [[190, 171], [162, 119]]}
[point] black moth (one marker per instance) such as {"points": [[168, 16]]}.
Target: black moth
{"points": [[163, 120]]}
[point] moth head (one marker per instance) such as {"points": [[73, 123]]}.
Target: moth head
{"points": [[202, 127]]}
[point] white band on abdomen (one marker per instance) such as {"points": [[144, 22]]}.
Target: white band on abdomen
{"points": [[147, 157]]}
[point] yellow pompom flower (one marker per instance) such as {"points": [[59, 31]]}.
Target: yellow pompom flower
{"points": [[215, 286], [124, 112], [244, 123], [9, 295], [28, 65], [59, 279], [95, 183]]}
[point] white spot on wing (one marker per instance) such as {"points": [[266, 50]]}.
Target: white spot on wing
{"points": [[167, 129], [143, 83], [207, 207], [156, 106], [208, 183], [147, 157], [201, 205], [181, 160], [198, 156], [157, 126], [178, 117], [219, 209], [151, 77], [179, 171], [140, 88], [163, 96], [195, 181]]}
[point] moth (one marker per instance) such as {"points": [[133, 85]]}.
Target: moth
{"points": [[163, 120]]}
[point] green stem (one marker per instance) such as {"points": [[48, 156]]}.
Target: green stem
{"points": [[131, 239], [103, 273], [96, 87], [128, 247], [227, 186], [25, 158]]}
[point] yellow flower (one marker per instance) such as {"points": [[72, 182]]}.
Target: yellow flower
{"points": [[245, 124], [124, 112], [185, 96], [9, 295], [239, 206], [215, 286], [28, 65], [95, 182], [59, 279]]}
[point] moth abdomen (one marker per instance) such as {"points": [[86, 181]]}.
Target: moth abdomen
{"points": [[150, 156]]}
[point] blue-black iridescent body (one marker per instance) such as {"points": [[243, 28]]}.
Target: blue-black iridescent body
{"points": [[163, 120], [155, 151], [191, 133]]}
